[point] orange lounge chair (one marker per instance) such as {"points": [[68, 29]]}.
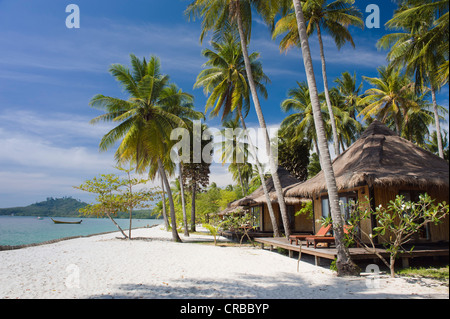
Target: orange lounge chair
{"points": [[321, 233], [314, 240]]}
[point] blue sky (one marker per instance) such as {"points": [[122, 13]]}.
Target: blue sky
{"points": [[48, 74]]}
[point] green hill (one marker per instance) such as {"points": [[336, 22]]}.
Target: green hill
{"points": [[61, 207]]}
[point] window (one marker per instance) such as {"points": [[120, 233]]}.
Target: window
{"points": [[291, 216], [346, 203], [325, 208], [256, 213]]}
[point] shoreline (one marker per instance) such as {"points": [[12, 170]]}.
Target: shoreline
{"points": [[53, 241], [104, 267]]}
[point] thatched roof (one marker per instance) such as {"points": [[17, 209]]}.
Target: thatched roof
{"points": [[231, 210], [381, 158], [258, 197]]}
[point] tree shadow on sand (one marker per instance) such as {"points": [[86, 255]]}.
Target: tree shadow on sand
{"points": [[249, 286]]}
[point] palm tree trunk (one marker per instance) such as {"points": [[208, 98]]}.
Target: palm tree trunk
{"points": [[437, 123], [183, 202], [327, 93], [164, 212], [244, 191], [173, 219], [276, 230], [262, 123], [344, 264], [194, 189], [130, 206]]}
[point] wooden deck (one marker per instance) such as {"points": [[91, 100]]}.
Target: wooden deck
{"points": [[356, 253]]}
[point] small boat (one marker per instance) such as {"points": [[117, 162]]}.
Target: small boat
{"points": [[60, 222], [40, 218]]}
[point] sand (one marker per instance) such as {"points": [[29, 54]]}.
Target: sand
{"points": [[106, 267]]}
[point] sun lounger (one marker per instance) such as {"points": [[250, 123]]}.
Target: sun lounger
{"points": [[321, 233], [314, 240]]}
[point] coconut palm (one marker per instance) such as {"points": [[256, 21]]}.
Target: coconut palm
{"points": [[300, 124], [347, 126], [184, 109], [344, 264], [221, 16], [390, 97], [235, 150], [348, 88], [321, 16], [225, 80], [144, 125], [422, 47]]}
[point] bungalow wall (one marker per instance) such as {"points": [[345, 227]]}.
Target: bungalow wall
{"points": [[382, 196], [436, 233], [302, 223]]}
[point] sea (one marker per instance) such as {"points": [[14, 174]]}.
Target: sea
{"points": [[19, 230]]}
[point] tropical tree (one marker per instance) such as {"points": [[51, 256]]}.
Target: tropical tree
{"points": [[184, 109], [390, 97], [300, 124], [225, 79], [196, 173], [347, 127], [422, 47], [344, 264], [144, 125], [235, 150], [351, 92], [221, 16], [321, 16]]}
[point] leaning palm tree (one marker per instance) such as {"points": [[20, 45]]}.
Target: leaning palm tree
{"points": [[344, 264], [144, 125], [221, 16], [225, 80], [321, 16]]}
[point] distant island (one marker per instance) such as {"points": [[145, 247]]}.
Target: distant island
{"points": [[62, 207]]}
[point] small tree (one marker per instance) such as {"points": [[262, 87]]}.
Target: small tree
{"points": [[399, 221], [241, 224], [115, 195]]}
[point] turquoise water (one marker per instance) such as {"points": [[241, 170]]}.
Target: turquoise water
{"points": [[30, 230]]}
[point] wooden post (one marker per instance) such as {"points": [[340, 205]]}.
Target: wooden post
{"points": [[317, 259]]}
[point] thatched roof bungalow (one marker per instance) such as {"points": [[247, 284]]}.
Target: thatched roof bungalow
{"points": [[381, 165]]}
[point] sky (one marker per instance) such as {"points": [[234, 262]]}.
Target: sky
{"points": [[49, 73]]}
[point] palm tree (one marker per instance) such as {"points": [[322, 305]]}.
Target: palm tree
{"points": [[144, 125], [235, 150], [184, 109], [348, 128], [423, 46], [321, 16], [344, 264], [348, 88], [300, 124], [225, 79], [390, 98], [221, 16]]}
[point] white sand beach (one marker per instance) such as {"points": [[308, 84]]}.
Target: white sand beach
{"points": [[106, 267]]}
